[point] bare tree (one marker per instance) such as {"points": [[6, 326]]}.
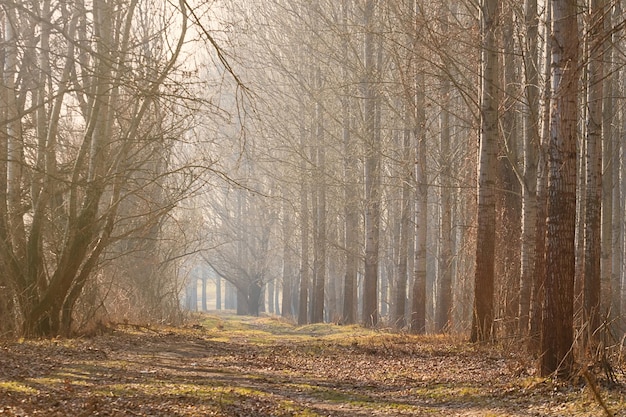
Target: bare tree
{"points": [[418, 308], [557, 335], [485, 240], [74, 156], [351, 194], [372, 173], [593, 160], [530, 153]]}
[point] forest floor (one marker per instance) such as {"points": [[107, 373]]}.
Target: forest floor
{"points": [[242, 366]]}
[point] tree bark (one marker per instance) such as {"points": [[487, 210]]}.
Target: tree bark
{"points": [[289, 269], [443, 302], [557, 335], [399, 304], [372, 176], [218, 292], [317, 313], [593, 198], [304, 236], [529, 180], [350, 193], [539, 264], [418, 308], [610, 191], [482, 322]]}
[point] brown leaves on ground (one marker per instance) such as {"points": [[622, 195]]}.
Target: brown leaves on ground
{"points": [[226, 366]]}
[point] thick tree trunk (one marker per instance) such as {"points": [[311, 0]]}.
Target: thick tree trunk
{"points": [[255, 301], [557, 334], [242, 303], [230, 301], [482, 323]]}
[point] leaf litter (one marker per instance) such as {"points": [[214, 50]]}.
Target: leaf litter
{"points": [[242, 366]]}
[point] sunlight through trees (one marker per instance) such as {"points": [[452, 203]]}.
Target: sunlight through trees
{"points": [[431, 166]]}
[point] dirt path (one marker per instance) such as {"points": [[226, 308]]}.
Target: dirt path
{"points": [[264, 367]]}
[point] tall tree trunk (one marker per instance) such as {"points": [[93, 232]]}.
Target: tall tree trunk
{"points": [[6, 298], [351, 235], [557, 335], [304, 235], [418, 296], [418, 308], [351, 195], [192, 289], [529, 179], [317, 313], [12, 238], [288, 272], [593, 199], [399, 304], [443, 304], [619, 213], [617, 243], [508, 208], [242, 293], [270, 288], [482, 322], [255, 299], [204, 282], [218, 292], [622, 227], [619, 209], [372, 176], [610, 178], [539, 264], [230, 302], [242, 303]]}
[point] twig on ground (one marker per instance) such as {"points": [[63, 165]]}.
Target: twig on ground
{"points": [[596, 392]]}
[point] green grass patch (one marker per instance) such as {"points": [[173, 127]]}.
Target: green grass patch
{"points": [[119, 390], [449, 393], [332, 395], [292, 409], [48, 381], [17, 387], [267, 330], [275, 328]]}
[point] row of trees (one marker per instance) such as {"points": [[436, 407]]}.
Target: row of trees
{"points": [[352, 179], [366, 196]]}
